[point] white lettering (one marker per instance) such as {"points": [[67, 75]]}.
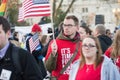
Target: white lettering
{"points": [[66, 55]]}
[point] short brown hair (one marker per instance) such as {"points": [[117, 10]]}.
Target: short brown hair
{"points": [[5, 24], [116, 46], [101, 28], [74, 18]]}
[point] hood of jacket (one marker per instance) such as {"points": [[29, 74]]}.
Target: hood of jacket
{"points": [[106, 39], [64, 37]]}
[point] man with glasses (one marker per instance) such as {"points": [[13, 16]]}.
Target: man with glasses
{"points": [[63, 48]]}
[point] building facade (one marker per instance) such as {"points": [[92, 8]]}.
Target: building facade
{"points": [[92, 12], [96, 11]]}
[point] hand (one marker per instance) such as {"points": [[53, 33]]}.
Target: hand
{"points": [[54, 47]]}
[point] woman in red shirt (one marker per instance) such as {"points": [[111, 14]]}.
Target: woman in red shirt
{"points": [[114, 51], [92, 65]]}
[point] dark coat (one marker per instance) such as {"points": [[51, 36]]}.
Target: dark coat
{"points": [[105, 42], [30, 69], [28, 36], [38, 53]]}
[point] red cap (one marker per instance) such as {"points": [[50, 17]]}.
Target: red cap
{"points": [[36, 28]]}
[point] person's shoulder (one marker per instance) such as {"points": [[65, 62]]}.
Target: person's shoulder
{"points": [[23, 54], [15, 42], [28, 36], [76, 62], [108, 51], [20, 50], [107, 60]]}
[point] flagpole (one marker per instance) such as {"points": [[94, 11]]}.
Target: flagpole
{"points": [[52, 18]]}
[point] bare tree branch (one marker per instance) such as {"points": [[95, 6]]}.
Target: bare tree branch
{"points": [[59, 5], [58, 14], [69, 6], [57, 10]]}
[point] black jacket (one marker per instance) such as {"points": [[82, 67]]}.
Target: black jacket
{"points": [[37, 53], [105, 42], [30, 69]]}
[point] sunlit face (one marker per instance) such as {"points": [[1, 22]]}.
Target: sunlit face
{"points": [[17, 36], [95, 32], [89, 48], [40, 35], [108, 34], [82, 33], [69, 27], [3, 37], [47, 39]]}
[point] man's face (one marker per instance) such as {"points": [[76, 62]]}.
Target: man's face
{"points": [[69, 27], [95, 32], [40, 35], [3, 37]]}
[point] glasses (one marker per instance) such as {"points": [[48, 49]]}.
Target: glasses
{"points": [[68, 25], [88, 46]]}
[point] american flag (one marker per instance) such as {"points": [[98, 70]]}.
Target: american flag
{"points": [[20, 15], [34, 43], [34, 8]]}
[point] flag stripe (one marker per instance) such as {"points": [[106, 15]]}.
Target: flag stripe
{"points": [[33, 42], [39, 11], [31, 15], [28, 14], [33, 45], [35, 8], [20, 15], [3, 7]]}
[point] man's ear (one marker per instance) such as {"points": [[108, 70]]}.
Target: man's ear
{"points": [[8, 33], [78, 27], [97, 32]]}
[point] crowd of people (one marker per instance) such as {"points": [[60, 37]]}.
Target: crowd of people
{"points": [[75, 53]]}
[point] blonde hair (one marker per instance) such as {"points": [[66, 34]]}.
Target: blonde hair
{"points": [[116, 45]]}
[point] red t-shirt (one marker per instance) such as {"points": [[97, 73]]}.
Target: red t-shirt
{"points": [[88, 72], [117, 61]]}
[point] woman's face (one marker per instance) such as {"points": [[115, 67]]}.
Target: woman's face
{"points": [[40, 35], [89, 48], [82, 33]]}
